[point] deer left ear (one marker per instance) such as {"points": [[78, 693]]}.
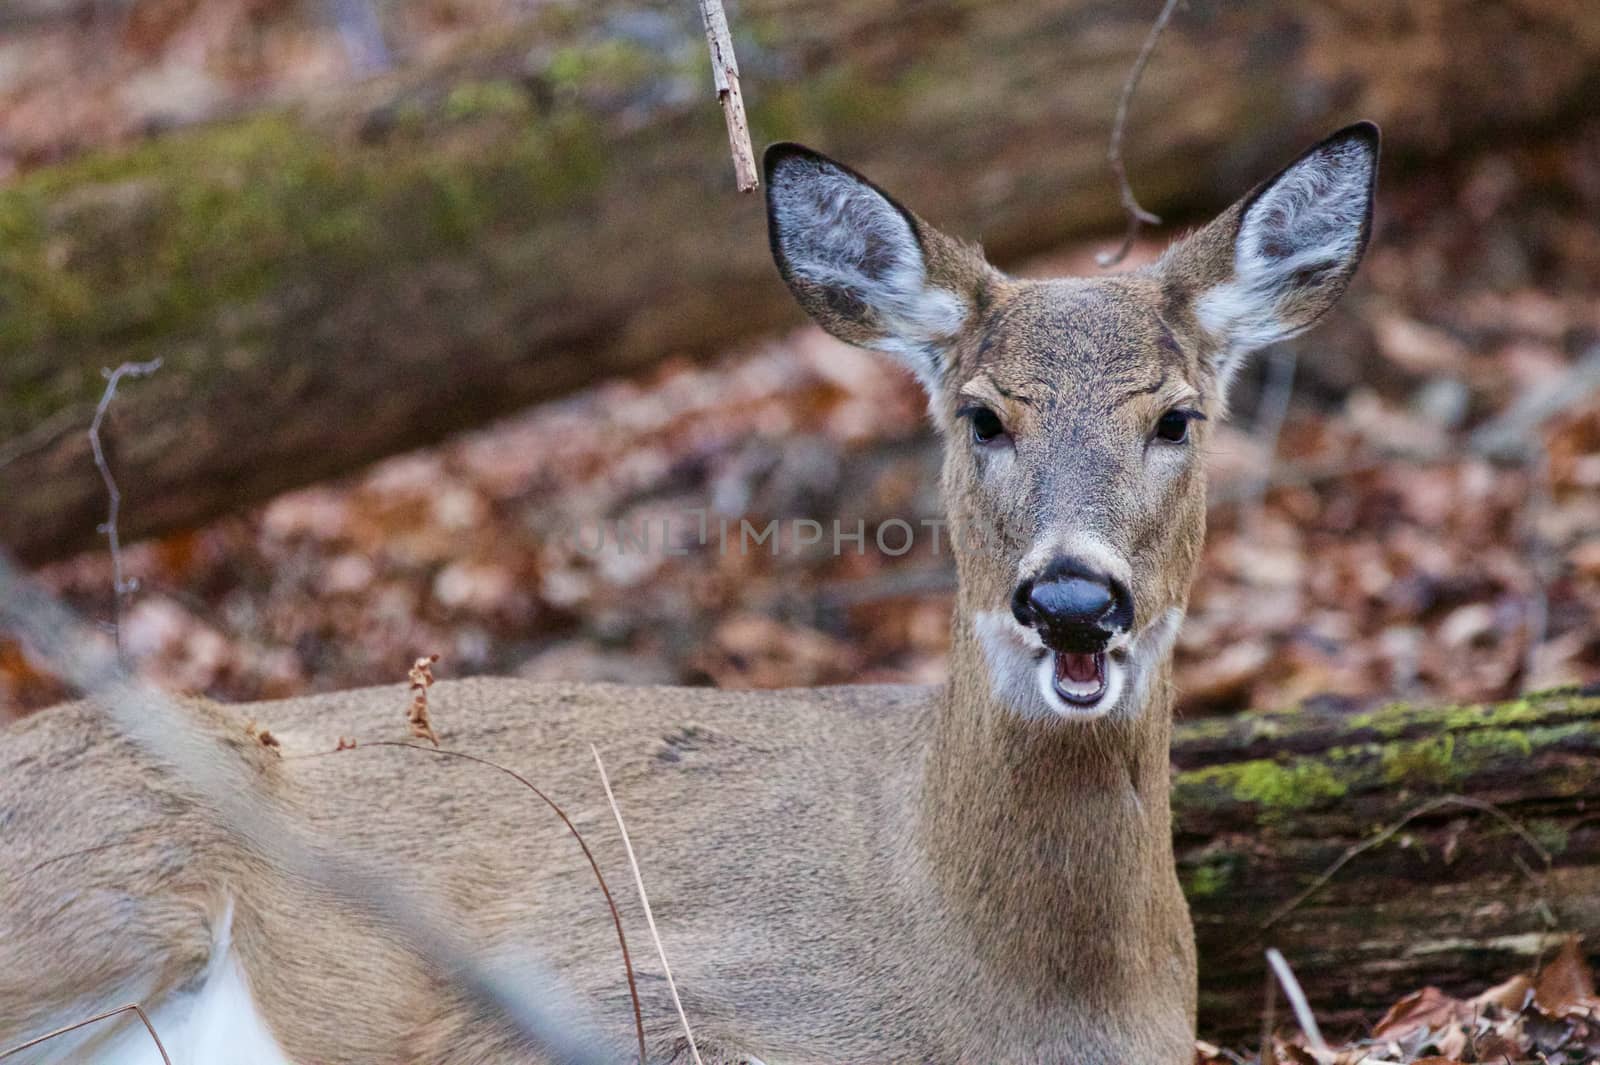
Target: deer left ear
{"points": [[865, 268], [1277, 260]]}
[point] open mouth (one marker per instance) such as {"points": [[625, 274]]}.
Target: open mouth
{"points": [[1080, 679]]}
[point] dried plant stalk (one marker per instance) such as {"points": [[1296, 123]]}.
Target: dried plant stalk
{"points": [[650, 918], [421, 680], [130, 1007], [347, 744]]}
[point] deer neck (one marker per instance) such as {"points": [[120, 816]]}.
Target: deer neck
{"points": [[1049, 840]]}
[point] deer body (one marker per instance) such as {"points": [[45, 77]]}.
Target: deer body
{"points": [[979, 872]]}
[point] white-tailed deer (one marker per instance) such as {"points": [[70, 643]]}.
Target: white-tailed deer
{"points": [[979, 872]]}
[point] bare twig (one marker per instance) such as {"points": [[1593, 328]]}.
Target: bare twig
{"points": [[120, 586], [725, 76], [1298, 1003], [132, 1006], [605, 889], [1137, 215], [1439, 803], [528, 1000], [638, 880]]}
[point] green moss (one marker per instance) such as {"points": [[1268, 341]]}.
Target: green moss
{"points": [[839, 98], [484, 99], [1485, 744], [1399, 718], [1430, 761], [1387, 722], [1211, 875], [127, 254], [1552, 835], [1447, 759], [1299, 785], [1276, 787], [607, 63]]}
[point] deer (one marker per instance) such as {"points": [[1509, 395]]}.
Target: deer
{"points": [[978, 871]]}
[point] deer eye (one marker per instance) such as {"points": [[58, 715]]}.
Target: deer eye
{"points": [[987, 428], [1173, 426]]}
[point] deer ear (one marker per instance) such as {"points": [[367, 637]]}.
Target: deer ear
{"points": [[1277, 260], [862, 266]]}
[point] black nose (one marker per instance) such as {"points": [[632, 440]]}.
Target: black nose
{"points": [[1073, 607]]}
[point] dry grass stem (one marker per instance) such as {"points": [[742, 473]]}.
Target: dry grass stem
{"points": [[725, 76], [346, 744], [1137, 215], [1298, 1003], [97, 1018], [638, 880]]}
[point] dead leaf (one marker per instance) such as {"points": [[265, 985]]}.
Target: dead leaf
{"points": [[1511, 995], [1565, 987], [1429, 1009]]}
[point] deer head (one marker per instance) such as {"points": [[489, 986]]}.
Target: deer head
{"points": [[1075, 412]]}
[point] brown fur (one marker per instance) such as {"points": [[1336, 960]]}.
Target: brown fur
{"points": [[841, 875]]}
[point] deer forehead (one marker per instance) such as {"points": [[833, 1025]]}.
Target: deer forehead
{"points": [[1047, 349]]}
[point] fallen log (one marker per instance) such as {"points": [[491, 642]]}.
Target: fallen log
{"points": [[1386, 851], [331, 283]]}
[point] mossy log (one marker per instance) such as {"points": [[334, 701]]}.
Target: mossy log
{"points": [[1462, 895], [332, 283]]}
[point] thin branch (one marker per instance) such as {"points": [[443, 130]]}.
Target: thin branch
{"points": [[528, 1000], [133, 1006], [1137, 215], [605, 889], [638, 880], [1297, 1002], [120, 586], [725, 76], [1440, 803]]}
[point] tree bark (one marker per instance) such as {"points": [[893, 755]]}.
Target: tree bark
{"points": [[1266, 804], [332, 283]]}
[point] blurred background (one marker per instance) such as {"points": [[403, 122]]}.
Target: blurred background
{"points": [[436, 283]]}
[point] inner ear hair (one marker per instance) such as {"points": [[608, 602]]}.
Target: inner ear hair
{"points": [[864, 267]]}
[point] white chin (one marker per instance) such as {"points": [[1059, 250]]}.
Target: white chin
{"points": [[1093, 700]]}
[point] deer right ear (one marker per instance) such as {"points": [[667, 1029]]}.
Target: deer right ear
{"points": [[1276, 261], [859, 263]]}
